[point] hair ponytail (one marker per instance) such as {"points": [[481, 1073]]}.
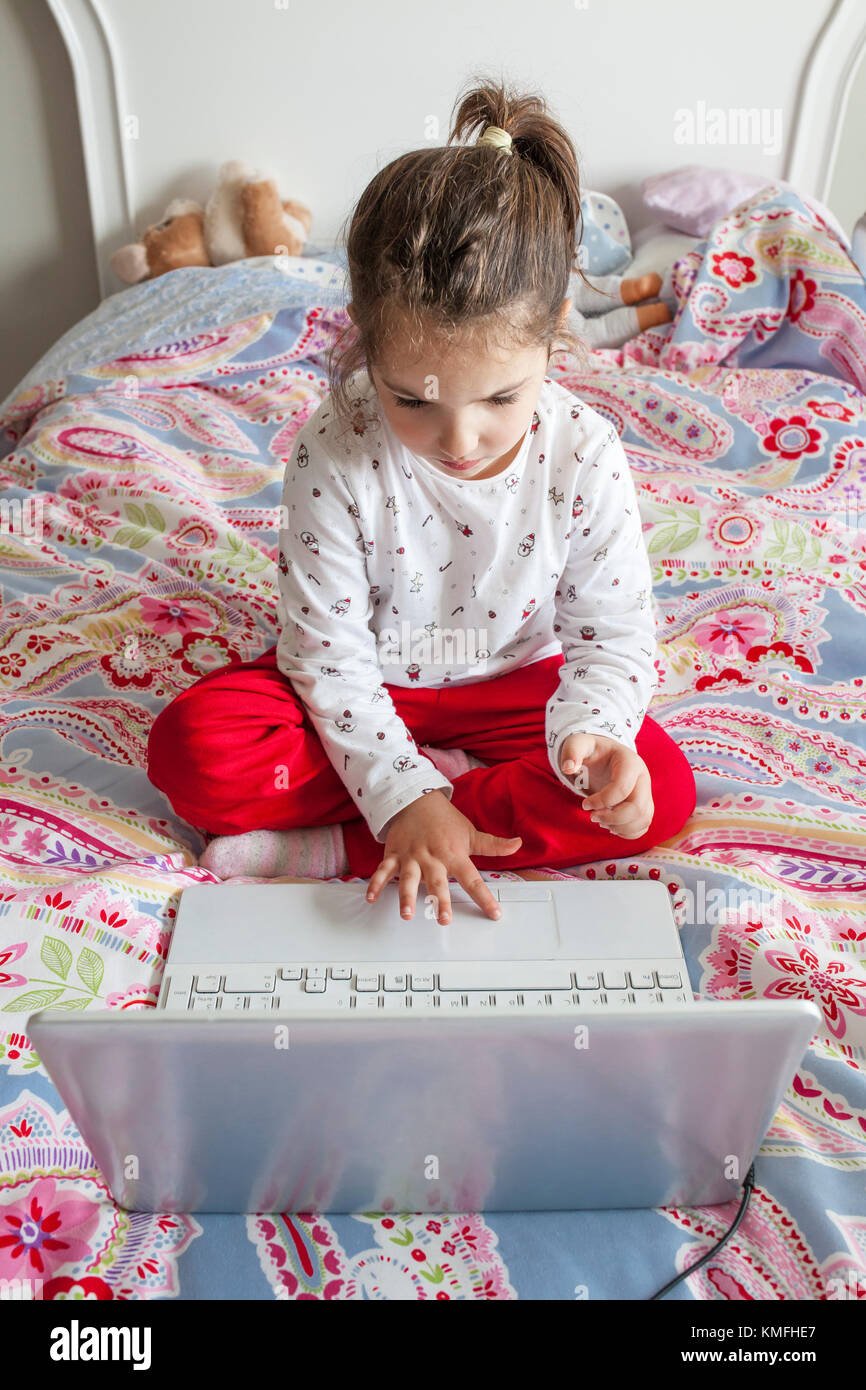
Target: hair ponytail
{"points": [[465, 238]]}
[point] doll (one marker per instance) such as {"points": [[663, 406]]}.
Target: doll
{"points": [[609, 318]]}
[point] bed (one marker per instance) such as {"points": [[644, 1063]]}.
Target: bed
{"points": [[141, 464]]}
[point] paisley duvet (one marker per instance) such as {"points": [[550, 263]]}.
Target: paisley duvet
{"points": [[141, 464]]}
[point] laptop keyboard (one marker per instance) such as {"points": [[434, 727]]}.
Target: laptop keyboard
{"points": [[454, 986]]}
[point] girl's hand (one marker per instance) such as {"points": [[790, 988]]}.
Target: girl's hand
{"points": [[620, 796], [431, 838]]}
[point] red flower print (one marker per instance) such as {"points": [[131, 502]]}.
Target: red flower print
{"points": [[163, 617], [829, 985], [802, 295], [38, 642], [43, 1231], [792, 438], [202, 652], [734, 269]]}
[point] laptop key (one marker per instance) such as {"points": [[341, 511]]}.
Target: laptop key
{"points": [[316, 972], [400, 1002], [177, 994], [314, 986], [291, 972], [395, 980], [234, 1003], [587, 979], [341, 972], [207, 984], [614, 979], [250, 980], [493, 975], [423, 982], [641, 979], [205, 1003], [669, 980], [367, 1003], [366, 983]]}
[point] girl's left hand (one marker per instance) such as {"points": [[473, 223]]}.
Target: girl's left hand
{"points": [[619, 793]]}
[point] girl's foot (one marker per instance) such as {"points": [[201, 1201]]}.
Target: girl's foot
{"points": [[651, 315], [640, 287]]}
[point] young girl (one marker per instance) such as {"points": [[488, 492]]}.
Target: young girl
{"points": [[467, 640]]}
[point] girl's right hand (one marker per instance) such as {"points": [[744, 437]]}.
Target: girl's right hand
{"points": [[431, 838]]}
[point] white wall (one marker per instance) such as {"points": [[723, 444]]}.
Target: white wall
{"points": [[847, 196], [323, 96], [47, 263]]}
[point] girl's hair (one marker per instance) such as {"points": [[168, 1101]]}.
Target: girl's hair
{"points": [[467, 239]]}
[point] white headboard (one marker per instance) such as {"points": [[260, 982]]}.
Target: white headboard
{"points": [[321, 96]]}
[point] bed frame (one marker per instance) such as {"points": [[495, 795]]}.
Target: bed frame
{"points": [[119, 58]]}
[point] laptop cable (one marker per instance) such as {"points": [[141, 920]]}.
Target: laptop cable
{"points": [[747, 1192]]}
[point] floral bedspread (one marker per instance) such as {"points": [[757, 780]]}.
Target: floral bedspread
{"points": [[141, 464]]}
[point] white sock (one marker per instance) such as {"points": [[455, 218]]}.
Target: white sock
{"points": [[308, 852]]}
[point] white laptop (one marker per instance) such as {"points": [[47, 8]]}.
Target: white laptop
{"points": [[312, 1051]]}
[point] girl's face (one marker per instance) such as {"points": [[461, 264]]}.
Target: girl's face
{"points": [[466, 413]]}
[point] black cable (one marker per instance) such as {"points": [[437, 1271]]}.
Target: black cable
{"points": [[747, 1192]]}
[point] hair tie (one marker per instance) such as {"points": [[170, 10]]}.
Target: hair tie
{"points": [[495, 135]]}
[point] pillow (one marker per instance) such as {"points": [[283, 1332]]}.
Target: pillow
{"points": [[657, 248], [692, 198], [605, 246]]}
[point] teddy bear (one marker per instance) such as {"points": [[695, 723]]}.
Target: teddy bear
{"points": [[244, 216]]}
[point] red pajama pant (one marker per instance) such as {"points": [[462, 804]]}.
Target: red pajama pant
{"points": [[217, 750]]}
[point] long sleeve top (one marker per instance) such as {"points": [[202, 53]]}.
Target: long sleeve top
{"points": [[393, 573]]}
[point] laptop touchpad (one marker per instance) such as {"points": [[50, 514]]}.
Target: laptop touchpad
{"points": [[527, 930]]}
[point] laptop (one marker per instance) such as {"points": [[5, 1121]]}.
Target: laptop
{"points": [[314, 1052]]}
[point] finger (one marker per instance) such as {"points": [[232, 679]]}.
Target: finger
{"points": [[484, 843], [409, 879], [575, 751], [630, 826], [634, 830], [478, 890], [383, 873], [632, 809], [441, 892], [621, 785]]}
